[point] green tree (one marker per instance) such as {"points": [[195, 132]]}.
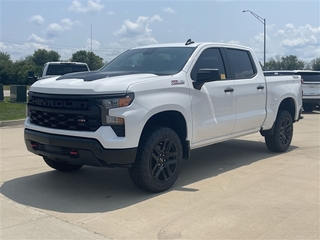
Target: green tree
{"points": [[41, 56], [5, 57], [5, 66], [315, 64], [94, 61], [21, 74], [273, 63], [290, 62]]}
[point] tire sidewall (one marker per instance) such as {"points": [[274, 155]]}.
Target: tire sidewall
{"points": [[142, 166], [282, 116]]}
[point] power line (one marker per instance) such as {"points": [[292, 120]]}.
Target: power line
{"points": [[55, 46]]}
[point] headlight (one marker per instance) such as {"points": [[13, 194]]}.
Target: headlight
{"points": [[117, 123], [118, 102]]}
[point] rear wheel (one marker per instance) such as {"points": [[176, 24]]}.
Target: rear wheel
{"points": [[281, 138], [158, 161], [64, 167]]}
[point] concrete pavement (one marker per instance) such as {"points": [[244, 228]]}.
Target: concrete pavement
{"points": [[232, 190]]}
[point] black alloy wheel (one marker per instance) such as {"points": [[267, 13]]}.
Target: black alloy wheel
{"points": [[281, 138], [158, 161]]}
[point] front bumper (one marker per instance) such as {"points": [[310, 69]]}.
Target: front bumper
{"points": [[77, 150]]}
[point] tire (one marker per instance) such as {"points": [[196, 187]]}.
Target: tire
{"points": [[158, 162], [281, 138], [309, 108], [64, 167]]}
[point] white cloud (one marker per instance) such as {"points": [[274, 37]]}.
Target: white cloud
{"points": [[110, 13], [156, 18], [68, 24], [94, 44], [133, 34], [302, 41], [112, 50], [234, 42], [35, 38], [289, 26], [19, 50], [91, 6], [299, 37], [139, 28], [168, 10], [54, 29], [36, 19], [66, 54]]}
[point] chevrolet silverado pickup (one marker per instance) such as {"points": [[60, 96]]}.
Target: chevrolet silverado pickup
{"points": [[150, 106], [51, 69]]}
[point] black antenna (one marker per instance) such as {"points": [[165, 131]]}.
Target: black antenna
{"points": [[189, 42]]}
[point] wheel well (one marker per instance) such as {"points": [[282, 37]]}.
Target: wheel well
{"points": [[175, 121], [288, 104]]}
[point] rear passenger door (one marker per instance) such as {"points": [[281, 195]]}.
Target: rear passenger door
{"points": [[250, 91]]}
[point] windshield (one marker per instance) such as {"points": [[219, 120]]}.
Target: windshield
{"points": [[160, 61]]}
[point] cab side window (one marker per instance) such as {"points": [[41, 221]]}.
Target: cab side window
{"points": [[209, 58], [241, 63]]}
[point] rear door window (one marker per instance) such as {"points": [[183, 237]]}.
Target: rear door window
{"points": [[241, 63]]}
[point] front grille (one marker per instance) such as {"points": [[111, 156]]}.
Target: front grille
{"points": [[77, 113], [66, 121]]}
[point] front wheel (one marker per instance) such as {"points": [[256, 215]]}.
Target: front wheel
{"points": [[64, 167], [158, 160], [281, 138]]}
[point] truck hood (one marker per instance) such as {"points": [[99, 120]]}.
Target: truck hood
{"points": [[90, 82]]}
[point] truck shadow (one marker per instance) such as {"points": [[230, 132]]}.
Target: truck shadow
{"points": [[92, 190], [317, 111]]}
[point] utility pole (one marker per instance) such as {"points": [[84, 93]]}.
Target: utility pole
{"points": [[91, 38], [264, 22]]}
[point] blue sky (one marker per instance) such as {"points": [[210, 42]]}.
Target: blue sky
{"points": [[110, 27]]}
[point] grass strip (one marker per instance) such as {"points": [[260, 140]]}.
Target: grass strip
{"points": [[12, 110]]}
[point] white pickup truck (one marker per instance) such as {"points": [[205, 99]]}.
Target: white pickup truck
{"points": [[51, 69], [151, 105]]}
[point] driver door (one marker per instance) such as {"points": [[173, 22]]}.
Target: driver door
{"points": [[213, 106]]}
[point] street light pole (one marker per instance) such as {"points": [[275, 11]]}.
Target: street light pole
{"points": [[264, 22]]}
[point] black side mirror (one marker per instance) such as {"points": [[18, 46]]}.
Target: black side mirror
{"points": [[206, 75]]}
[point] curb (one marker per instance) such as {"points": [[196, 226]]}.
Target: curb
{"points": [[11, 123]]}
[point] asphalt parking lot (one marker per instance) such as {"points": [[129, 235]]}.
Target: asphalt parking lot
{"points": [[231, 190]]}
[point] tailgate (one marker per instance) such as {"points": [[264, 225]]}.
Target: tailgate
{"points": [[311, 85]]}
